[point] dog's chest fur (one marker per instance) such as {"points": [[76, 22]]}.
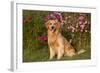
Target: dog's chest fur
{"points": [[52, 40]]}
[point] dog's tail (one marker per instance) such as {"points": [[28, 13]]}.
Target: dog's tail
{"points": [[81, 51]]}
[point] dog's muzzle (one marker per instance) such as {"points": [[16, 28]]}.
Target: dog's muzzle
{"points": [[53, 29]]}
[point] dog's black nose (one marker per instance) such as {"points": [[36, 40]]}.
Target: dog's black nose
{"points": [[52, 27]]}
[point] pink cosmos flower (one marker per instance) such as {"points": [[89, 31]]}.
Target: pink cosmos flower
{"points": [[82, 26], [81, 22], [81, 30], [72, 28], [68, 27], [85, 22], [76, 26], [69, 16], [86, 30], [66, 18]]}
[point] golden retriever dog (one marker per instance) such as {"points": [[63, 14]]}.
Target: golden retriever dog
{"points": [[58, 45]]}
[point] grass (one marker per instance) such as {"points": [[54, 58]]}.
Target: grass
{"points": [[39, 55]]}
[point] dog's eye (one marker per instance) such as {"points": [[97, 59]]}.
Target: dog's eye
{"points": [[50, 23]]}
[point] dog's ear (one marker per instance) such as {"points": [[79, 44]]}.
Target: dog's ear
{"points": [[46, 24], [58, 25]]}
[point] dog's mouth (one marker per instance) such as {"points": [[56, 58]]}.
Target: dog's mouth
{"points": [[53, 29]]}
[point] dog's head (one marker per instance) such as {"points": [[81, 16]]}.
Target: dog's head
{"points": [[53, 25]]}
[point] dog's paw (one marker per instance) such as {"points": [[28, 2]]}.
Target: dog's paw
{"points": [[50, 58]]}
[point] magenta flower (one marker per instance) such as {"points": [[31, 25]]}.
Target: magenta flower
{"points": [[54, 15], [38, 38], [45, 38], [58, 15], [81, 17], [42, 38]]}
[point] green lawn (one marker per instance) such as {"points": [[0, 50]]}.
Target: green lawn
{"points": [[39, 55]]}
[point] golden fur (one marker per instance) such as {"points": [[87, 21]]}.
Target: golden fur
{"points": [[58, 45]]}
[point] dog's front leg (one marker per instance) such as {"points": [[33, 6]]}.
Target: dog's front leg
{"points": [[60, 53], [52, 53]]}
